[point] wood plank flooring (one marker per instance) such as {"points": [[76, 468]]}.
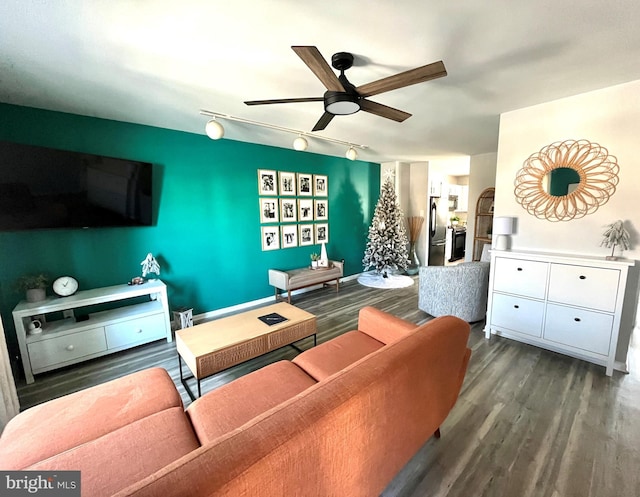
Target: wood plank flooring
{"points": [[528, 422]]}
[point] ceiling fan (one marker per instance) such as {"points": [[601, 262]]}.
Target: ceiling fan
{"points": [[343, 98]]}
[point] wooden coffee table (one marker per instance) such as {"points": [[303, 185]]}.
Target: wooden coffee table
{"points": [[214, 346]]}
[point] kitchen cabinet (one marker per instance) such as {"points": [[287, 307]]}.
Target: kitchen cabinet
{"points": [[570, 304]]}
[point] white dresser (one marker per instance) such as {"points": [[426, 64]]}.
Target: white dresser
{"points": [[565, 303]]}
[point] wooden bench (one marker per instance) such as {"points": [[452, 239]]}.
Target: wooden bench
{"points": [[295, 279]]}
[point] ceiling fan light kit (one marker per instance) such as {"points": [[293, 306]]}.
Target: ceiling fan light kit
{"points": [[343, 98]]}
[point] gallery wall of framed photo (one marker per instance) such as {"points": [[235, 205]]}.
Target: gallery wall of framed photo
{"points": [[294, 209]]}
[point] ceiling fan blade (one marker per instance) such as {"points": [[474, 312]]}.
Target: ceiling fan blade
{"points": [[284, 101], [383, 110], [323, 122], [407, 78], [315, 61]]}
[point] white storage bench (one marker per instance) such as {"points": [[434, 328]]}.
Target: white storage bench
{"points": [[295, 279]]}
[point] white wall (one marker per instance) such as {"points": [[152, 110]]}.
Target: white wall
{"points": [[482, 174], [609, 117]]}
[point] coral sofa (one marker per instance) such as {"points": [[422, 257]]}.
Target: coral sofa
{"points": [[341, 419]]}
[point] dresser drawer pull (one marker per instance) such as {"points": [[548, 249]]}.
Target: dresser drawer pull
{"points": [[69, 347], [139, 330], [583, 277], [519, 269], [576, 319], [516, 306]]}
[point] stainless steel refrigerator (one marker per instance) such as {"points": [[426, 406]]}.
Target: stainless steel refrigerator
{"points": [[438, 214]]}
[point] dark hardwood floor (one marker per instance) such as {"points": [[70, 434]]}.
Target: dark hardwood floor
{"points": [[528, 422]]}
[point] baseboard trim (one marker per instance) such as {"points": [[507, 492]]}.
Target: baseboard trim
{"points": [[206, 316]]}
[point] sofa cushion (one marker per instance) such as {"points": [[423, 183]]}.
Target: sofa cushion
{"points": [[232, 405], [383, 326], [336, 354], [44, 430], [127, 455]]}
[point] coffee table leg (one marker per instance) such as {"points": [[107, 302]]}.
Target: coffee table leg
{"points": [[183, 380]]}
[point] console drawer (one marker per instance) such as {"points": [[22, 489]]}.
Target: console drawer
{"points": [[520, 277], [578, 328], [136, 331], [518, 314], [49, 352], [591, 287]]}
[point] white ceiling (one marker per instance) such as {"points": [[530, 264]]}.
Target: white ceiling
{"points": [[158, 62]]}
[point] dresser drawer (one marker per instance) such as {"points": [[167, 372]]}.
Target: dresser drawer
{"points": [[592, 287], [578, 328], [136, 331], [518, 314], [52, 351], [520, 277]]}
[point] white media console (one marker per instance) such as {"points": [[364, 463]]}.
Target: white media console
{"points": [[135, 314]]}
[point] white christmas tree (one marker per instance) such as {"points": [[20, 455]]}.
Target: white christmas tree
{"points": [[387, 245], [616, 235]]}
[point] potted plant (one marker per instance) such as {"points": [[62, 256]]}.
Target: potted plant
{"points": [[34, 285], [314, 260], [615, 235], [455, 220]]}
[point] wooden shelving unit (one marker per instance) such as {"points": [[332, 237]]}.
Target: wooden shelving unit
{"points": [[484, 222]]}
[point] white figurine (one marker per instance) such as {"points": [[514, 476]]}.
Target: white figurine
{"points": [[150, 265]]}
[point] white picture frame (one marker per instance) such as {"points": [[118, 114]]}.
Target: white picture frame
{"points": [[305, 209], [270, 237], [320, 210], [320, 185], [267, 182], [306, 235], [269, 210], [305, 185], [288, 210], [287, 183], [321, 231], [289, 236]]}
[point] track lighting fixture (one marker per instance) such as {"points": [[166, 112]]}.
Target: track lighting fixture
{"points": [[300, 143], [215, 131]]}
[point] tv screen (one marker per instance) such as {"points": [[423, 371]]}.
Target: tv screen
{"points": [[46, 188]]}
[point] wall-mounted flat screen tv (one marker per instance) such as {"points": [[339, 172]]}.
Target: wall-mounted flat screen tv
{"points": [[46, 188]]}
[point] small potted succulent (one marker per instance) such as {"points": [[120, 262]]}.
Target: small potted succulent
{"points": [[314, 260], [34, 285]]}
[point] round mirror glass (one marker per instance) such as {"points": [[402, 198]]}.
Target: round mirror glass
{"points": [[561, 181]]}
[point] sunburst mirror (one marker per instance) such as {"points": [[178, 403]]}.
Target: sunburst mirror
{"points": [[566, 180]]}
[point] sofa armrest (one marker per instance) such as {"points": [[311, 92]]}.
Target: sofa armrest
{"points": [[381, 326], [279, 279]]}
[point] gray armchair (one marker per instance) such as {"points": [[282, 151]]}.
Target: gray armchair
{"points": [[459, 290]]}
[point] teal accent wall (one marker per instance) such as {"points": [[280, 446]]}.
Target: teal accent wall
{"points": [[206, 234]]}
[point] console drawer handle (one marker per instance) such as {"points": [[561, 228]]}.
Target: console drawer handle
{"points": [[516, 306], [583, 277], [576, 319], [70, 347]]}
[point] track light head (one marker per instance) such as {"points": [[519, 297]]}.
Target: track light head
{"points": [[300, 143], [352, 154], [214, 129]]}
